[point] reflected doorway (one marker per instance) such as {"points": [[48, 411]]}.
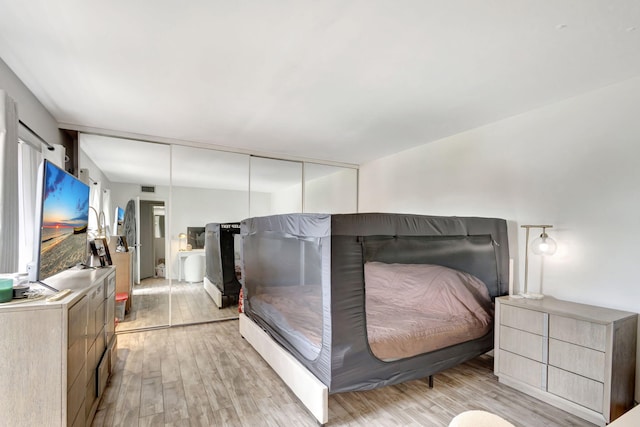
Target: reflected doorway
{"points": [[149, 305], [152, 242]]}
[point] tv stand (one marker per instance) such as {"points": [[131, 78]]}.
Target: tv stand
{"points": [[41, 283], [66, 347]]}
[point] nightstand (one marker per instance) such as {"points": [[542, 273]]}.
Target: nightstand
{"points": [[579, 358]]}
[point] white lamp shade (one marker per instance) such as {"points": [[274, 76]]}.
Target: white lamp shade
{"points": [[544, 245]]}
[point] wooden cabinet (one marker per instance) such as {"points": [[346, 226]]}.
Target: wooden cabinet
{"points": [[101, 327], [76, 361], [577, 357], [51, 352]]}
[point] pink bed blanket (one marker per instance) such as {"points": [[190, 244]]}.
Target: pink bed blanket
{"points": [[417, 308], [410, 309]]}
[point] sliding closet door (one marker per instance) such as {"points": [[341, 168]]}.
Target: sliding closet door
{"points": [[275, 186], [137, 175], [330, 189], [207, 186]]}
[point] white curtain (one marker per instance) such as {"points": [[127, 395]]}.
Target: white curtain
{"points": [[95, 202], [8, 184], [29, 160], [106, 211]]}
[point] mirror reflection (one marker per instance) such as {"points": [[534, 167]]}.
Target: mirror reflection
{"points": [[139, 184], [174, 211], [276, 186], [330, 189], [208, 188]]}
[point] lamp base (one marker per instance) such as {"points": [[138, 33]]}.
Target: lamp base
{"points": [[531, 295]]}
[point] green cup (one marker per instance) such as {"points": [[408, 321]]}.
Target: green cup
{"points": [[6, 290]]}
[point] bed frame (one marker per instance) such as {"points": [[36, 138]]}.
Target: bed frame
{"points": [[345, 362], [313, 394]]}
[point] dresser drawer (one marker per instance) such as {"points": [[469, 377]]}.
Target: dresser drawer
{"points": [[91, 393], [77, 343], [98, 318], [92, 359], [75, 362], [75, 398], [96, 299], [523, 319], [102, 374], [523, 343], [578, 389], [580, 332], [110, 314], [580, 360], [523, 369], [77, 322], [111, 286], [101, 344]]}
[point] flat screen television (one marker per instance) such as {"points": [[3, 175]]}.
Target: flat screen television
{"points": [[62, 218], [119, 219]]}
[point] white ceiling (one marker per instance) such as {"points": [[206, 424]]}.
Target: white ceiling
{"points": [[339, 80]]}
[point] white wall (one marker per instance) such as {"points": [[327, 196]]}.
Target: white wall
{"points": [[30, 110], [122, 193], [260, 204], [195, 207], [573, 164]]}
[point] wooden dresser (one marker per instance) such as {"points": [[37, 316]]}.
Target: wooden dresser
{"points": [[577, 357], [57, 356]]}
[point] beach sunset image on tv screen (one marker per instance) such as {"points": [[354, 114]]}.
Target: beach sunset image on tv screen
{"points": [[65, 217]]}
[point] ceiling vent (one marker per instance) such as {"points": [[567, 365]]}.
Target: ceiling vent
{"points": [[148, 188]]}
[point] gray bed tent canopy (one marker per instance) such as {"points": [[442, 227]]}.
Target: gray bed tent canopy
{"points": [[323, 257], [220, 271]]}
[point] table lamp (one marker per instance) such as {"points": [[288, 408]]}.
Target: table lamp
{"points": [[543, 245]]}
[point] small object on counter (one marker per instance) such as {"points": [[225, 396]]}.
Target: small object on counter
{"points": [[59, 295], [20, 291], [6, 289]]}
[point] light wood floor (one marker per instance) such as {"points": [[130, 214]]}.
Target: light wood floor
{"points": [[207, 375], [190, 303]]}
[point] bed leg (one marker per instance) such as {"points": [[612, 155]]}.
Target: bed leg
{"points": [[430, 381]]}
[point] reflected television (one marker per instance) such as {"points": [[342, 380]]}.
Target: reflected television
{"points": [[62, 218], [119, 220]]}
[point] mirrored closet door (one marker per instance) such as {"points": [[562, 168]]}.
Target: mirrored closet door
{"points": [[208, 187], [172, 192], [330, 189], [137, 175], [275, 186]]}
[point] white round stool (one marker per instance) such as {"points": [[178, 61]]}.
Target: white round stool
{"points": [[194, 268], [478, 418]]}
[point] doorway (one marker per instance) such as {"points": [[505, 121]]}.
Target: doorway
{"points": [[152, 241]]}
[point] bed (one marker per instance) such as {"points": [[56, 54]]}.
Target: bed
{"points": [[221, 280], [361, 301]]}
